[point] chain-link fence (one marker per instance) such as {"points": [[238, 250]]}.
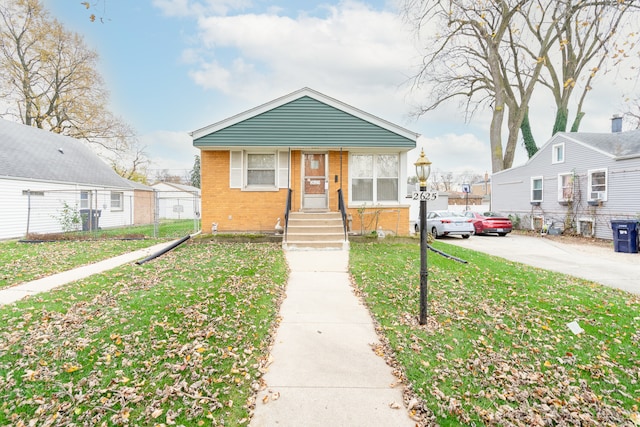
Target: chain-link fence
{"points": [[49, 210]]}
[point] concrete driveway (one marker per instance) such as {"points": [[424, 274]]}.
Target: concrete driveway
{"points": [[588, 261]]}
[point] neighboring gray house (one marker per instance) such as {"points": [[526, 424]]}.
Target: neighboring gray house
{"points": [[578, 181], [47, 177], [177, 201]]}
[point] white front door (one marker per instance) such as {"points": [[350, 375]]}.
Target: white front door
{"points": [[315, 182]]}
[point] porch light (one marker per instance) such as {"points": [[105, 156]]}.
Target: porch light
{"points": [[423, 169]]}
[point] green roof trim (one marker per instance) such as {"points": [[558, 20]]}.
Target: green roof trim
{"points": [[304, 119]]}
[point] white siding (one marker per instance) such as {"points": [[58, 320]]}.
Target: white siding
{"points": [[47, 200], [176, 204], [511, 189]]}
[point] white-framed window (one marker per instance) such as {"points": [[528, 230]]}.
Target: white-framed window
{"points": [[258, 170], [117, 198], [261, 170], [536, 189], [597, 184], [374, 178], [84, 200], [565, 187], [558, 153]]}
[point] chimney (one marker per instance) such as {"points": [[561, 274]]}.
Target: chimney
{"points": [[616, 123]]}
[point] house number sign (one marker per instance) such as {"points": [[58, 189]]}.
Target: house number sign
{"points": [[425, 195]]}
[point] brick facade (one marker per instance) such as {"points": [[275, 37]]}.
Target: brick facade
{"points": [[235, 210]]}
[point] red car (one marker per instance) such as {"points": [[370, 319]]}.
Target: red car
{"points": [[490, 222]]}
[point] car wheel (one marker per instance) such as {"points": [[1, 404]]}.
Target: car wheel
{"points": [[434, 233], [466, 236], [416, 228]]}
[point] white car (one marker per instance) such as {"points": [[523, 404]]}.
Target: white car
{"points": [[447, 223]]}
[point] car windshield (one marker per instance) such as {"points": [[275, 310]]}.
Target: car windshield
{"points": [[448, 213], [493, 214]]}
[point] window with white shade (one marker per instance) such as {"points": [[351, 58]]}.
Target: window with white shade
{"points": [[261, 170], [258, 171], [536, 189], [84, 200], [362, 177], [374, 178], [565, 187], [597, 184], [117, 200]]}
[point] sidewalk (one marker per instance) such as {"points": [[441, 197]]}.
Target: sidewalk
{"points": [[324, 371], [16, 293]]}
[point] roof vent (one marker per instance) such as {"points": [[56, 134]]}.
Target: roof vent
{"points": [[616, 123], [60, 151]]}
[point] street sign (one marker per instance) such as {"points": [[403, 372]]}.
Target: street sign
{"points": [[425, 195]]}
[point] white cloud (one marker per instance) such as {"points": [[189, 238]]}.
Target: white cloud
{"points": [[454, 153], [199, 8], [350, 49], [169, 150], [356, 53]]}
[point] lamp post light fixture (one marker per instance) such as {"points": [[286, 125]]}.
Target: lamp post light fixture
{"points": [[423, 170]]}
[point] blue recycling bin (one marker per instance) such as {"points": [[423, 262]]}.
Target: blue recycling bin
{"points": [[625, 235]]}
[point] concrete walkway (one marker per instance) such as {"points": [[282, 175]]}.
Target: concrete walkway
{"points": [[324, 371], [16, 293]]}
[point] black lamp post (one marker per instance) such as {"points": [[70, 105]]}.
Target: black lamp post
{"points": [[423, 170]]}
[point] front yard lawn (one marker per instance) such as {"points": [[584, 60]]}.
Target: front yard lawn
{"points": [[184, 339], [181, 340], [497, 350], [23, 262]]}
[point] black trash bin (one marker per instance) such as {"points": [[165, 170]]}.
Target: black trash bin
{"points": [[625, 235], [90, 214]]}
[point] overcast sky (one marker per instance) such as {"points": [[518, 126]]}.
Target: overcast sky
{"points": [[174, 66]]}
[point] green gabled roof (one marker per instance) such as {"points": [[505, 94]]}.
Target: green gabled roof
{"points": [[304, 118]]}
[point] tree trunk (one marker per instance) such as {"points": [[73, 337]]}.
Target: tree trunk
{"points": [[529, 140], [576, 121], [560, 124], [495, 138]]}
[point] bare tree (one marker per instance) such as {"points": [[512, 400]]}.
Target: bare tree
{"points": [[589, 38], [492, 53], [50, 81], [441, 180], [132, 164], [632, 115]]}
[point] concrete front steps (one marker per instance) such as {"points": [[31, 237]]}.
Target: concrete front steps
{"points": [[315, 230]]}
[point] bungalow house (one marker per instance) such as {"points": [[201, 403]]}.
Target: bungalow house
{"points": [[177, 201], [576, 181], [304, 153], [51, 183]]}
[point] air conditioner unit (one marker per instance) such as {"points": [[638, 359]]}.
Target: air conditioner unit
{"points": [[596, 195]]}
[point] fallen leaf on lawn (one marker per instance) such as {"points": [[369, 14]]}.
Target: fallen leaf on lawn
{"points": [[71, 368]]}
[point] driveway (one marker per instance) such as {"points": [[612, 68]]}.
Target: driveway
{"points": [[588, 261]]}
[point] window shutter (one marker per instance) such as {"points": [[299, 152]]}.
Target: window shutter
{"points": [[283, 169], [235, 169]]}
